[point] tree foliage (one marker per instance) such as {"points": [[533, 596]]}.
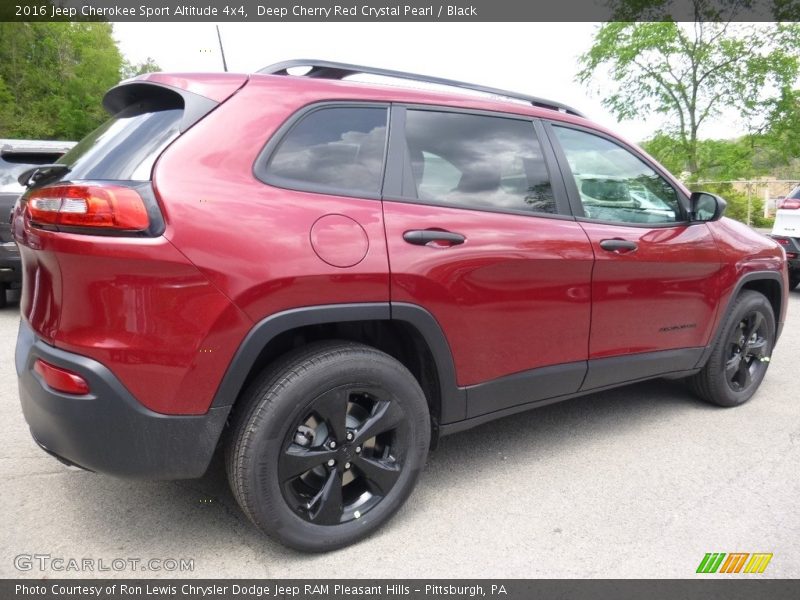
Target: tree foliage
{"points": [[129, 69], [53, 77], [690, 72]]}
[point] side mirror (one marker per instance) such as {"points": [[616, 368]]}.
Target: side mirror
{"points": [[706, 206]]}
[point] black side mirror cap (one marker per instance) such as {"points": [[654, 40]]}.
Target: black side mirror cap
{"points": [[706, 206]]}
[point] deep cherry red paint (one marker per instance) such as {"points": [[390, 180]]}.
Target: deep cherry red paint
{"points": [[661, 296], [167, 314], [514, 296]]}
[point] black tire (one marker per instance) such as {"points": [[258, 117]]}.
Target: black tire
{"points": [[3, 299], [740, 359], [286, 423], [794, 280]]}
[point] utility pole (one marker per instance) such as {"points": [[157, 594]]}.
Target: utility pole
{"points": [[222, 51]]}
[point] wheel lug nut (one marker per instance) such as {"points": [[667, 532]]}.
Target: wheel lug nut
{"points": [[350, 436], [331, 463], [332, 445], [358, 449], [347, 465]]}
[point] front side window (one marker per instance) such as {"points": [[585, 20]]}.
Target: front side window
{"points": [[477, 161], [614, 185], [338, 149]]}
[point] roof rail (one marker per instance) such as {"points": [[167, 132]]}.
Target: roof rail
{"points": [[324, 69]]}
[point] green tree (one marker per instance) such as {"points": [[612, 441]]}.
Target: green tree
{"points": [[53, 77], [132, 70], [724, 160], [690, 72]]}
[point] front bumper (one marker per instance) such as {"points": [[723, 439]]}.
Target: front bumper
{"points": [[107, 430]]}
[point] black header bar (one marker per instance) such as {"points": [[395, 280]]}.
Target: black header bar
{"points": [[400, 11]]}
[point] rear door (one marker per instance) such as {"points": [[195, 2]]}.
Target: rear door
{"points": [[655, 281], [478, 235]]}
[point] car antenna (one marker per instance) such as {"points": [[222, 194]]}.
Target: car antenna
{"points": [[222, 50]]}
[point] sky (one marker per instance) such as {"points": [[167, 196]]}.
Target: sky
{"points": [[539, 59]]}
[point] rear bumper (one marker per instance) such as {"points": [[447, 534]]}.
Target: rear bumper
{"points": [[792, 248], [107, 430]]}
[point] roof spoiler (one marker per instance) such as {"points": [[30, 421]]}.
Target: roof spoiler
{"points": [[149, 96]]}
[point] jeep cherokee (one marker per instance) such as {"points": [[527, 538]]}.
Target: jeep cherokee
{"points": [[321, 277]]}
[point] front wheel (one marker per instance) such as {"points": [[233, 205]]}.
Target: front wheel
{"points": [[740, 359], [328, 445]]}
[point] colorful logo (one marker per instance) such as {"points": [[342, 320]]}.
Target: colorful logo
{"points": [[716, 562]]}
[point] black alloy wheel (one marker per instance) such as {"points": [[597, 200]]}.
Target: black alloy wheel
{"points": [[747, 351], [327, 444], [741, 356], [344, 455]]}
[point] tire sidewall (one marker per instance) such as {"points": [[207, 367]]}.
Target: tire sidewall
{"points": [[749, 302], [284, 403]]}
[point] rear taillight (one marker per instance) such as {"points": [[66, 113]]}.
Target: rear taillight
{"points": [[781, 240], [108, 207], [788, 203], [60, 379]]}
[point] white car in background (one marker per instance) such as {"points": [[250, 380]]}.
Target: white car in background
{"points": [[786, 231]]}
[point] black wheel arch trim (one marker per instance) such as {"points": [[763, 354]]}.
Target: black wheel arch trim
{"points": [[745, 279], [453, 399]]}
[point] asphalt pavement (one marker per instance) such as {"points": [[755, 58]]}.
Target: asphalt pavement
{"points": [[641, 481]]}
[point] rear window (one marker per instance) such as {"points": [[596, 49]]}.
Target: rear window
{"points": [[795, 195], [125, 147]]}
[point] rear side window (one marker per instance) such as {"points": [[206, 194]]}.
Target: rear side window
{"points": [[125, 147], [477, 161], [336, 150]]}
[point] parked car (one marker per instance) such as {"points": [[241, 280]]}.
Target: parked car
{"points": [[322, 278], [786, 231], [17, 156]]}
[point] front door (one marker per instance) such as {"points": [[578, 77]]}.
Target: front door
{"points": [[655, 279]]}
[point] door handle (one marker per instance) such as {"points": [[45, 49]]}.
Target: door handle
{"points": [[618, 246], [422, 237]]}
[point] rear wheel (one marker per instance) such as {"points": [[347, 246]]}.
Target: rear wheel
{"points": [[794, 279], [741, 357], [328, 445], [3, 291]]}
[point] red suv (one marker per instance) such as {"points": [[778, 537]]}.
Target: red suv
{"points": [[322, 277]]}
